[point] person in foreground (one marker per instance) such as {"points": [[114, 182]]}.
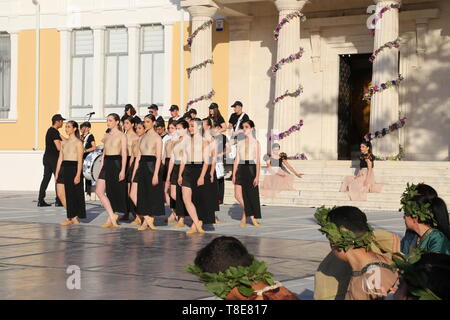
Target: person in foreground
{"points": [[231, 273], [423, 276], [428, 219], [351, 238]]}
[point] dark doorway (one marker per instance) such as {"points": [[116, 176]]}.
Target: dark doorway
{"points": [[355, 75]]}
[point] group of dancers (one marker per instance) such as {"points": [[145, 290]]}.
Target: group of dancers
{"points": [[141, 171]]}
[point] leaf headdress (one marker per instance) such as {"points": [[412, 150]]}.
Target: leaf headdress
{"points": [[341, 237], [411, 207], [241, 277], [416, 276]]}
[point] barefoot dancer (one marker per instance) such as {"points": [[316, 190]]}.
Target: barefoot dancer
{"points": [[167, 151], [246, 170], [68, 172], [111, 185], [147, 191]]}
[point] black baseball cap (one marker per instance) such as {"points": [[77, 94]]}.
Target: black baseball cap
{"points": [[192, 111], [213, 106], [153, 107], [174, 107], [236, 103], [57, 117]]}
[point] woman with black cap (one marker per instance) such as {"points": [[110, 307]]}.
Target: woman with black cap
{"points": [[216, 117]]}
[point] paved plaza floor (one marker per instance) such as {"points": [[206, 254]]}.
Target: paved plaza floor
{"points": [[124, 263]]}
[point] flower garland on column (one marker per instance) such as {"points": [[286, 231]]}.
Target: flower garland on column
{"points": [[276, 34], [381, 133], [189, 70], [391, 44]]}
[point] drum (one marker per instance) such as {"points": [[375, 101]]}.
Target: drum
{"points": [[91, 165]]}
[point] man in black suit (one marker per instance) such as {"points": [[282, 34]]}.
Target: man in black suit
{"points": [[153, 109], [52, 147]]}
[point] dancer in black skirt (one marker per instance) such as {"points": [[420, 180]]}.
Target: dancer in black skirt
{"points": [[212, 187], [246, 170], [180, 138], [132, 137], [191, 177], [147, 191], [69, 178], [111, 185], [140, 131], [167, 151]]}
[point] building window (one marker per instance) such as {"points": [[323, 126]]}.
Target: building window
{"points": [[5, 75], [151, 73], [116, 70], [82, 64]]}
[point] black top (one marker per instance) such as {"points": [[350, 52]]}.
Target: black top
{"points": [[362, 161], [220, 120], [234, 119], [50, 147], [172, 119], [221, 141], [88, 143]]}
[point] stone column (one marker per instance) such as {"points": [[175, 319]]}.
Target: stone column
{"points": [[168, 55], [384, 105], [200, 81], [98, 73], [65, 36], [287, 111], [133, 64]]}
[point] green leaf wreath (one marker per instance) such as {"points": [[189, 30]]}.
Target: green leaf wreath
{"points": [[423, 212], [341, 237], [415, 276], [241, 277]]}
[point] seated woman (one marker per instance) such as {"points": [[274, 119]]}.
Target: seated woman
{"points": [[426, 279], [226, 261], [278, 178], [351, 239], [428, 219], [364, 182], [410, 238]]}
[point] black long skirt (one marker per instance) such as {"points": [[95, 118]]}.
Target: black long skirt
{"points": [[213, 190], [129, 171], [76, 206], [116, 191], [200, 194], [245, 175], [179, 207], [150, 198]]}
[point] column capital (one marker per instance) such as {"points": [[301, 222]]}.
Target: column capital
{"points": [[98, 27], [290, 4], [202, 11], [167, 23], [133, 25], [388, 1], [66, 29]]}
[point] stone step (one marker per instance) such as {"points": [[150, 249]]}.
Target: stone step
{"points": [[378, 164], [378, 171]]}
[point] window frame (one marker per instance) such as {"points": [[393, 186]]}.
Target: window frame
{"points": [[143, 52], [6, 108], [83, 56], [117, 57]]}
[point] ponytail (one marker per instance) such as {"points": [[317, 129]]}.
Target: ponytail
{"points": [[440, 212], [74, 125]]}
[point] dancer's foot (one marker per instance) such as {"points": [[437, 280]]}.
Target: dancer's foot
{"points": [[179, 225], [75, 221], [108, 224], [256, 223], [200, 227], [172, 218], [143, 227], [42, 203], [243, 223], [150, 223], [217, 221], [137, 221], [65, 223]]}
